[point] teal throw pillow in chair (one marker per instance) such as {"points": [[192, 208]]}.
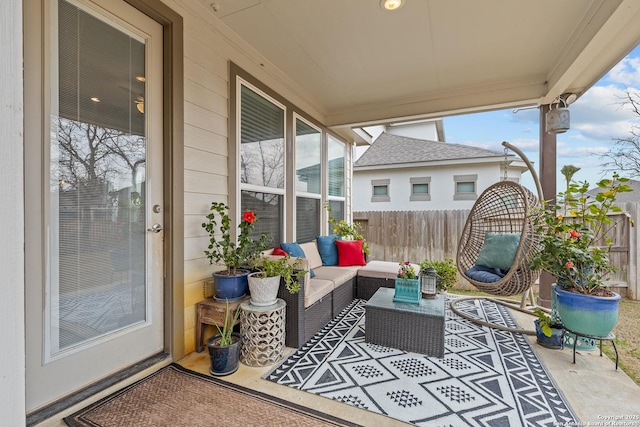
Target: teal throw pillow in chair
{"points": [[498, 250]]}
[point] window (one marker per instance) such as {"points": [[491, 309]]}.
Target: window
{"points": [[465, 187], [307, 219], [380, 190], [308, 142], [269, 209], [335, 150], [286, 165], [261, 140], [336, 165], [262, 161], [420, 189]]}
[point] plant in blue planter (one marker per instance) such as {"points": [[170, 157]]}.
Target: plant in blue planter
{"points": [[224, 347], [237, 254], [575, 249]]}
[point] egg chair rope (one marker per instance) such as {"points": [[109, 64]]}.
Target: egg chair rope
{"points": [[505, 208]]}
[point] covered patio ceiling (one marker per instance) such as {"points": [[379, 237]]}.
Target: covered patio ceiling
{"points": [[361, 65]]}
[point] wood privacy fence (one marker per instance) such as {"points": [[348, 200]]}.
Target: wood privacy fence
{"points": [[418, 235]]}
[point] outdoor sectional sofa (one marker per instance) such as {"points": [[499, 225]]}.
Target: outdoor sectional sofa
{"points": [[331, 289]]}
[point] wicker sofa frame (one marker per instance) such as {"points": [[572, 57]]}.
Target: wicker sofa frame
{"points": [[303, 323]]}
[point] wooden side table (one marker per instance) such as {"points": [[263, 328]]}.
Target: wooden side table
{"points": [[211, 312], [263, 333]]}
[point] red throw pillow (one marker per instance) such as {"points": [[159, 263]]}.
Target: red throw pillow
{"points": [[278, 251], [350, 253]]}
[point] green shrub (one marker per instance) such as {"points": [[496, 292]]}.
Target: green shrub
{"points": [[446, 270]]}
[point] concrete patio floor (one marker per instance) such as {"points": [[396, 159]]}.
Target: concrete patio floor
{"points": [[598, 394]]}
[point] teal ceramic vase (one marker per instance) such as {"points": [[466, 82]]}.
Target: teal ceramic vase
{"points": [[590, 315], [407, 290]]}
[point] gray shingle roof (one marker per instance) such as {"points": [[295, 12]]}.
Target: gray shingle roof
{"points": [[633, 196], [393, 149]]}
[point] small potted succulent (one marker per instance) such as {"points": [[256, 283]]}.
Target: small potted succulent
{"points": [[549, 330], [224, 347], [264, 283]]}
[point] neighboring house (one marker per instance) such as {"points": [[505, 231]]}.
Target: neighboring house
{"points": [[400, 173]]}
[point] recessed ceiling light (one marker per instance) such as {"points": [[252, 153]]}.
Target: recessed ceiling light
{"points": [[391, 4], [95, 99], [141, 79]]}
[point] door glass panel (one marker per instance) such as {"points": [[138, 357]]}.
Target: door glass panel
{"points": [[97, 182]]}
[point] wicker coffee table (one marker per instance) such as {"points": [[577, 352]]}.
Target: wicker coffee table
{"points": [[418, 328]]}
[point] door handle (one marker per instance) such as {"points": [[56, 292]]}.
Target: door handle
{"points": [[155, 228]]}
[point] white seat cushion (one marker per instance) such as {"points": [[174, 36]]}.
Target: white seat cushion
{"points": [[383, 269], [316, 289], [338, 275]]}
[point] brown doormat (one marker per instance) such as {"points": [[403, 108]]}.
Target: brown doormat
{"points": [[176, 396]]}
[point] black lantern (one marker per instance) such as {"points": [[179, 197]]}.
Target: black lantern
{"points": [[428, 283]]}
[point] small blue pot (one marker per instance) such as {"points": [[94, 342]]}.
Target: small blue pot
{"points": [[555, 341]]}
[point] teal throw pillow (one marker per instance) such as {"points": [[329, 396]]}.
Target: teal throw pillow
{"points": [[295, 250], [328, 249], [498, 250]]}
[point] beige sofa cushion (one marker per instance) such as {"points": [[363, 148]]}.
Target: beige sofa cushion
{"points": [[382, 269], [316, 289], [312, 254], [338, 275]]}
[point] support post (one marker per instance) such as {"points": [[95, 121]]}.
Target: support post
{"points": [[547, 174]]}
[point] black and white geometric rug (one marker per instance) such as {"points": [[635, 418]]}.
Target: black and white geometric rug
{"points": [[487, 377]]}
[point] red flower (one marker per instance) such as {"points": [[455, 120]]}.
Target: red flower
{"points": [[569, 264], [574, 234], [248, 217]]}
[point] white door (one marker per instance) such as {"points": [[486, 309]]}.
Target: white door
{"points": [[100, 308]]}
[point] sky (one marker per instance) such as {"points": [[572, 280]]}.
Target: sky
{"points": [[596, 119]]}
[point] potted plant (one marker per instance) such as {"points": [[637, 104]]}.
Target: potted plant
{"points": [[407, 284], [549, 330], [237, 256], [446, 270], [264, 283], [575, 249], [224, 347], [346, 230]]}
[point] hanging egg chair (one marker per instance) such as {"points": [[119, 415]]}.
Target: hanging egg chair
{"points": [[497, 242]]}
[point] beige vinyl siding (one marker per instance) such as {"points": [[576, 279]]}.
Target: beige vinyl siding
{"points": [[208, 48]]}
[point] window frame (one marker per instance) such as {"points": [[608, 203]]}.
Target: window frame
{"points": [[239, 76], [420, 197], [380, 183], [306, 194], [465, 195]]}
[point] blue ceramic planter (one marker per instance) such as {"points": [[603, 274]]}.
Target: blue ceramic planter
{"points": [[224, 360], [587, 314], [555, 341], [230, 288]]}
